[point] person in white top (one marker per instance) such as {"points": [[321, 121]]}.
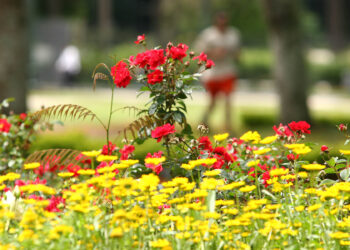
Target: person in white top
{"points": [[221, 43], [68, 64]]}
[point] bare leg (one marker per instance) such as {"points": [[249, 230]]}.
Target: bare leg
{"points": [[209, 110], [228, 127]]}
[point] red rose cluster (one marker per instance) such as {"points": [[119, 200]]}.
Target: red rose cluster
{"points": [[202, 58], [301, 127]]}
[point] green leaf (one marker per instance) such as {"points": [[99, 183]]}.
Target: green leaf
{"points": [[345, 174], [152, 110], [327, 182], [332, 161], [178, 116], [144, 88], [329, 170], [181, 95], [339, 166]]}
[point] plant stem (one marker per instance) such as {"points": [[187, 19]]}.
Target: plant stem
{"points": [[110, 117]]}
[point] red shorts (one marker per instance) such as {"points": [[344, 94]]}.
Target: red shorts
{"points": [[224, 85]]}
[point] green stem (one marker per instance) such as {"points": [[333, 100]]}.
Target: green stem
{"points": [[110, 117]]}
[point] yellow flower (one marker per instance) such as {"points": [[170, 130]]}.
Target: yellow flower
{"points": [[261, 151], [188, 166], [107, 158], [253, 163], [161, 243], [120, 166], [155, 161], [303, 174], [314, 207], [251, 136], [27, 235], [269, 139], [312, 167], [302, 151], [129, 162], [92, 153], [339, 235], [220, 137], [247, 189], [344, 152], [11, 176], [65, 174], [279, 171], [117, 232], [345, 242], [296, 145], [214, 172], [32, 165], [86, 172], [299, 208]]}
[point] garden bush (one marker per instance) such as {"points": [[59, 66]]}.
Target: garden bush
{"points": [[196, 193]]}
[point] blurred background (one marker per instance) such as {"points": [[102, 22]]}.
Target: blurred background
{"points": [[294, 63]]}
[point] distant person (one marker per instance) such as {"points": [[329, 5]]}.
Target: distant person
{"points": [[222, 45], [68, 65]]}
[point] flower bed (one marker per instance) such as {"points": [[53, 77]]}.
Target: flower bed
{"points": [[198, 193]]}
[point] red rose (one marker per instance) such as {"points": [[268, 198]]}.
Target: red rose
{"points": [[22, 116], [283, 130], [155, 77], [301, 126], [179, 52], [4, 126], [140, 39], [121, 75], [126, 151], [201, 58], [205, 143], [324, 148], [342, 127], [159, 132], [209, 64], [108, 149]]}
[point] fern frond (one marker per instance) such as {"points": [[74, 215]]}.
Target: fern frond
{"points": [[142, 126], [64, 111], [130, 108], [55, 157]]}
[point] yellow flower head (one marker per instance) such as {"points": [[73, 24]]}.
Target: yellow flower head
{"points": [[214, 172], [220, 137], [313, 167], [247, 189], [92, 153], [251, 136], [253, 163], [32, 165], [269, 139], [279, 171], [65, 174], [107, 158], [344, 152], [86, 172], [261, 151], [155, 161]]}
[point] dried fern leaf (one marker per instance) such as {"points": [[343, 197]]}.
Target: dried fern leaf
{"points": [[53, 157], [142, 125], [99, 76], [64, 111]]}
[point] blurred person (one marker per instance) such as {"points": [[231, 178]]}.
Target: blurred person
{"points": [[68, 65], [221, 43]]}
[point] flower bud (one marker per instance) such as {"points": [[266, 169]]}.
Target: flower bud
{"points": [[191, 54], [187, 63]]}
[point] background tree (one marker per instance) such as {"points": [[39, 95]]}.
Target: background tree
{"points": [[286, 38], [14, 52]]}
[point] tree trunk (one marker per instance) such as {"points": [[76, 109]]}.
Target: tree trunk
{"points": [[336, 21], [285, 34], [14, 53]]}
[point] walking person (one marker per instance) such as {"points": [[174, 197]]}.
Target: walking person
{"points": [[222, 45]]}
